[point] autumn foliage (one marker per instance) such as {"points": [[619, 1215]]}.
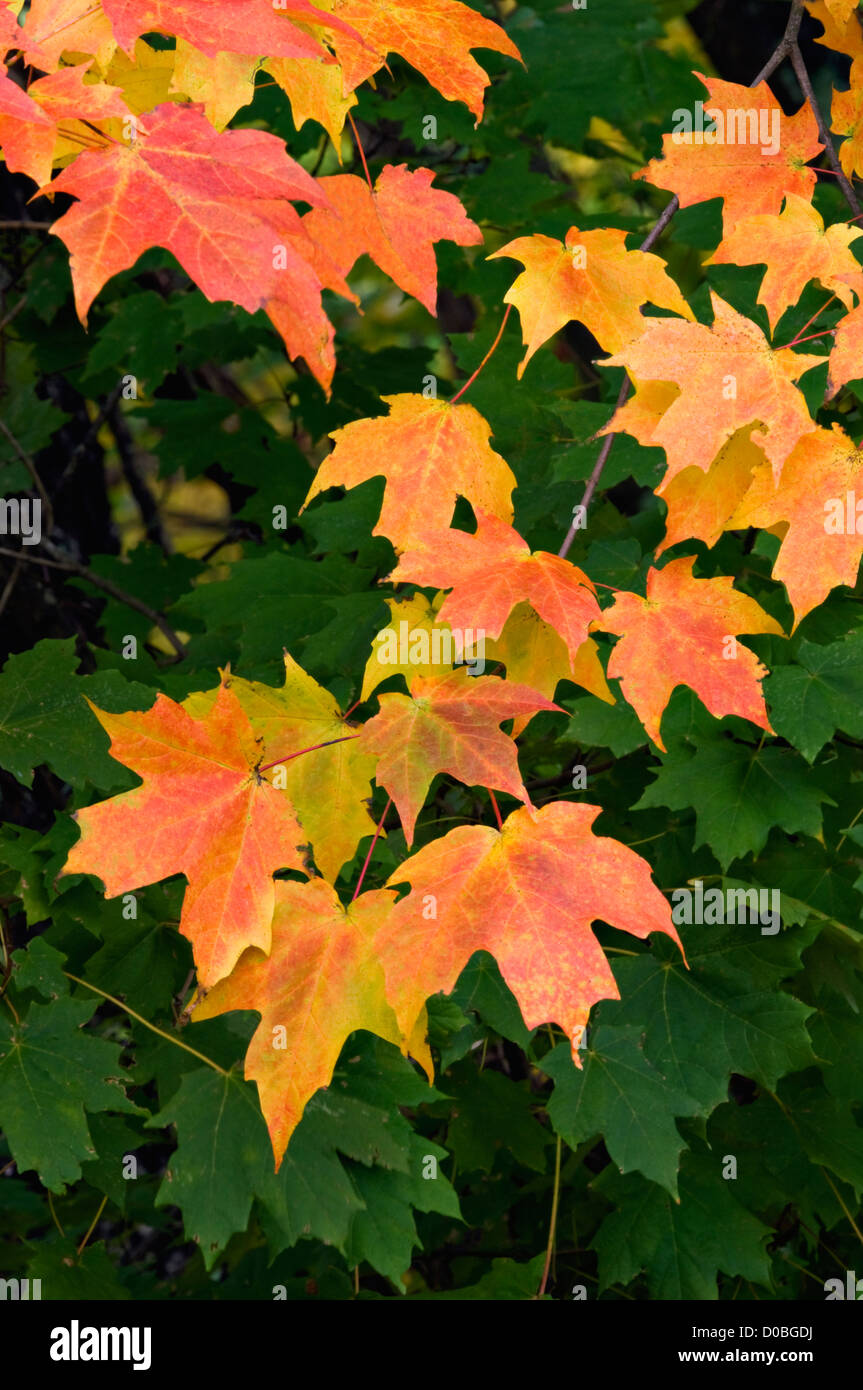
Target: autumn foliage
{"points": [[130, 121]]}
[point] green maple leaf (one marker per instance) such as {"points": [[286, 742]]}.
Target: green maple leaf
{"points": [[821, 693], [738, 793], [681, 1247], [620, 1095], [52, 1073], [725, 1014]]}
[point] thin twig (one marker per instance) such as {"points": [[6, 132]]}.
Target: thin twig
{"points": [[823, 131], [108, 587], [146, 1022], [787, 47]]}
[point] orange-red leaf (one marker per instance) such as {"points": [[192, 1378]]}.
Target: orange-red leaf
{"points": [[223, 26], [29, 140], [761, 157], [590, 277], [529, 895], [397, 226], [319, 982], [729, 377], [219, 202], [450, 723], [796, 248], [203, 811], [684, 633], [492, 571], [430, 453]]}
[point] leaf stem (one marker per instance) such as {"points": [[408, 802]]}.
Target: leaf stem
{"points": [[380, 827], [472, 379], [313, 748], [786, 47], [54, 1216], [495, 808], [553, 1223], [91, 1228], [146, 1022], [362, 152]]}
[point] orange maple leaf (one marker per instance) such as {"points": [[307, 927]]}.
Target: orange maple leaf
{"points": [[842, 32], [590, 277], [435, 36], [846, 357], [397, 226], [756, 155], [491, 572], [55, 27], [29, 138], [320, 982], [683, 633], [846, 118], [450, 723], [334, 772], [430, 453], [204, 811], [701, 505], [528, 894], [218, 201], [817, 496], [729, 377], [796, 248]]}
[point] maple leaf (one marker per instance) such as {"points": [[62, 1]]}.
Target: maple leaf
{"points": [[683, 634], [225, 26], [761, 155], [822, 544], [319, 982], [430, 453], [846, 118], [844, 34], [729, 377], [221, 84], [702, 505], [329, 787], [449, 724], [491, 572], [590, 277], [30, 140], [528, 894], [218, 202], [316, 90], [534, 655], [796, 248], [435, 36], [413, 644], [397, 225], [55, 27], [203, 811], [846, 357]]}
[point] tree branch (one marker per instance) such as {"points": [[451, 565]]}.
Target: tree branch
{"points": [[787, 47], [108, 587]]}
